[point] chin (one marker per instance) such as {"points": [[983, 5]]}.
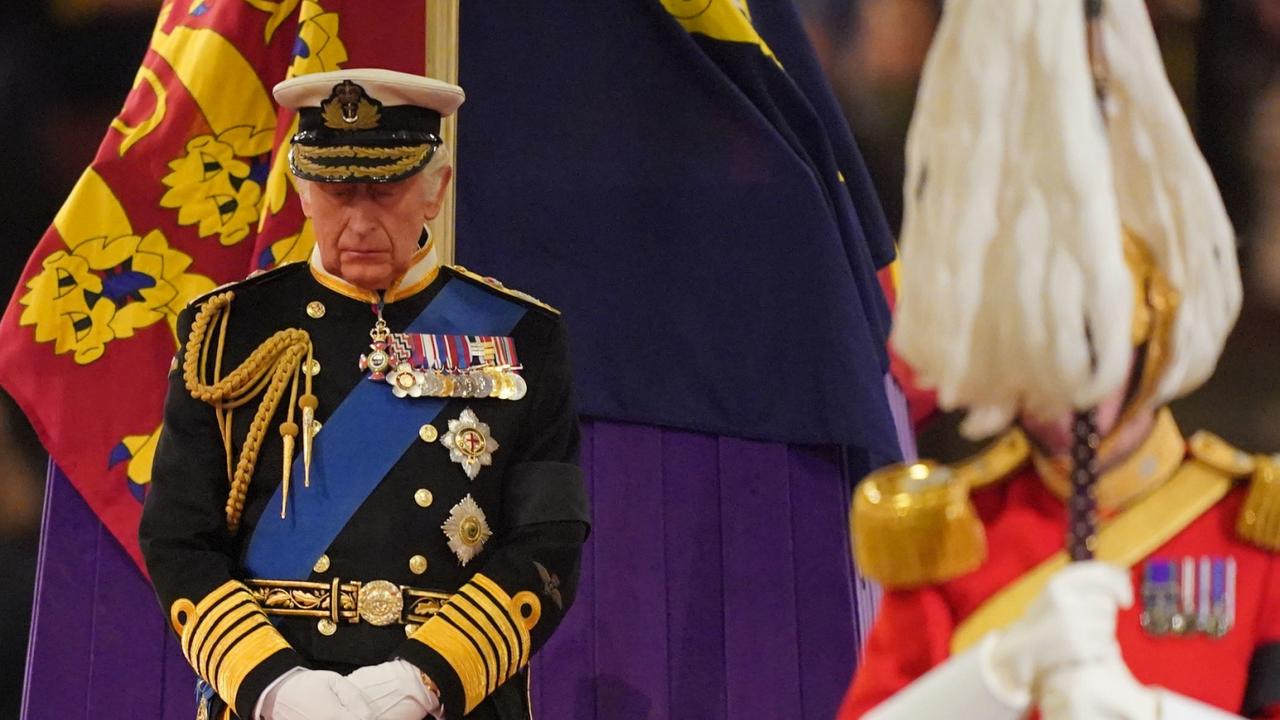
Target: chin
{"points": [[367, 278]]}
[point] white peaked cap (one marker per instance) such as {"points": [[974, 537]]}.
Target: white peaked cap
{"points": [[387, 86]]}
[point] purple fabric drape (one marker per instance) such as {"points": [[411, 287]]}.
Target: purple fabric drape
{"points": [[716, 584]]}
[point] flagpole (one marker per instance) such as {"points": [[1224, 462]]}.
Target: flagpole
{"points": [[442, 64]]}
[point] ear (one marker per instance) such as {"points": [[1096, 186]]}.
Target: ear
{"points": [[304, 194], [436, 202]]}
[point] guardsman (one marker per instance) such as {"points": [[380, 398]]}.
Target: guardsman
{"points": [[366, 500], [1067, 275]]}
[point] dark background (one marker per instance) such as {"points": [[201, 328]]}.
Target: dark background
{"points": [[66, 65]]}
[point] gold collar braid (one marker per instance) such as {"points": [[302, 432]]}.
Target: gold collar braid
{"points": [[277, 361]]}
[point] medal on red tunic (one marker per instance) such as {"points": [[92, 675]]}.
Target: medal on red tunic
{"points": [[1189, 596]]}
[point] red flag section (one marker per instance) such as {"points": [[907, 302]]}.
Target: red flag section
{"points": [[189, 189]]}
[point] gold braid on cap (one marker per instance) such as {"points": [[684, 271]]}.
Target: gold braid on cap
{"points": [[273, 364]]}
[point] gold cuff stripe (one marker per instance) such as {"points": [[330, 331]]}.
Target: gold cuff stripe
{"points": [[242, 633], [502, 627], [504, 600], [217, 627], [440, 634], [227, 640], [228, 636], [201, 612], [485, 646], [480, 617], [251, 652]]}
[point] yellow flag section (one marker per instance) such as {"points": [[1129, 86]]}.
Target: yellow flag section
{"points": [[211, 182], [728, 20], [319, 33], [64, 301], [167, 211]]}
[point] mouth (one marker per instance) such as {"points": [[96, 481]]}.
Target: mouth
{"points": [[362, 256]]}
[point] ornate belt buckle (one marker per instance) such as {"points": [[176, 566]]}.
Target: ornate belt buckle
{"points": [[380, 602]]}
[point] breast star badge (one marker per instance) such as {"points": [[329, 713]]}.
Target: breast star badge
{"points": [[466, 529], [469, 442]]}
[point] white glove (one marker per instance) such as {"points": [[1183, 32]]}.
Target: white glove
{"points": [[1073, 622], [395, 691], [1106, 690], [1100, 690], [314, 695]]}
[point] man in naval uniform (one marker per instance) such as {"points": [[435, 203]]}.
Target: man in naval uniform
{"points": [[365, 501], [1066, 277]]}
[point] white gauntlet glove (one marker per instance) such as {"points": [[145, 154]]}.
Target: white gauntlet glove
{"points": [[314, 695], [395, 691], [1104, 689], [1107, 690], [1073, 622]]}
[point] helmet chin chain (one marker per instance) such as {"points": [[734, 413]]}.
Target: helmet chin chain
{"points": [[1082, 505]]}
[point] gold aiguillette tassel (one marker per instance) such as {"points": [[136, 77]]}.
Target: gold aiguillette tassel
{"points": [[308, 403], [288, 431]]}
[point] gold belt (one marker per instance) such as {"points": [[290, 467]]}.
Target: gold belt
{"points": [[377, 602]]}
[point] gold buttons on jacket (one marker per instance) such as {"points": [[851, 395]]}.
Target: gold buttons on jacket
{"points": [[410, 629], [327, 627], [315, 428], [428, 433], [423, 497], [315, 309], [417, 564], [322, 564], [312, 367]]}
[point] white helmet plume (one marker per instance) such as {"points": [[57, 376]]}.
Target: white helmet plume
{"points": [[1015, 296]]}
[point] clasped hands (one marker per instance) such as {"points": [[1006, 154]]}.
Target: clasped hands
{"points": [[391, 690], [1063, 652]]}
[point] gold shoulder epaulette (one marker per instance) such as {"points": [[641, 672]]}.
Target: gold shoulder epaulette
{"points": [[1259, 519], [496, 285], [913, 524]]}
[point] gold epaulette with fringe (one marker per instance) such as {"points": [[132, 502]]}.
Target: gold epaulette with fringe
{"points": [[1259, 519], [914, 524], [496, 285]]}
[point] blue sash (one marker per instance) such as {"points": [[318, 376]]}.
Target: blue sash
{"points": [[362, 440]]}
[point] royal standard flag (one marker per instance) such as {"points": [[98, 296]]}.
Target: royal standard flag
{"points": [[188, 190]]}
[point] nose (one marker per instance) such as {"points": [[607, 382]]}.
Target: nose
{"points": [[362, 216]]}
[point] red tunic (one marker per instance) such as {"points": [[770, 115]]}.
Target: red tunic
{"points": [[1025, 525]]}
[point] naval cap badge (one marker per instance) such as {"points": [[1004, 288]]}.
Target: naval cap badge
{"points": [[467, 530], [350, 108], [470, 443]]}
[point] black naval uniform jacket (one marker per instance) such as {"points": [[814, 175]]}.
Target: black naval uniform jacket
{"points": [[494, 612]]}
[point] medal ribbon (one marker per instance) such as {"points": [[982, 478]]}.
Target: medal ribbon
{"points": [[452, 352], [341, 480]]}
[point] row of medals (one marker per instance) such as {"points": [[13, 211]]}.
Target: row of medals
{"points": [[486, 381]]}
